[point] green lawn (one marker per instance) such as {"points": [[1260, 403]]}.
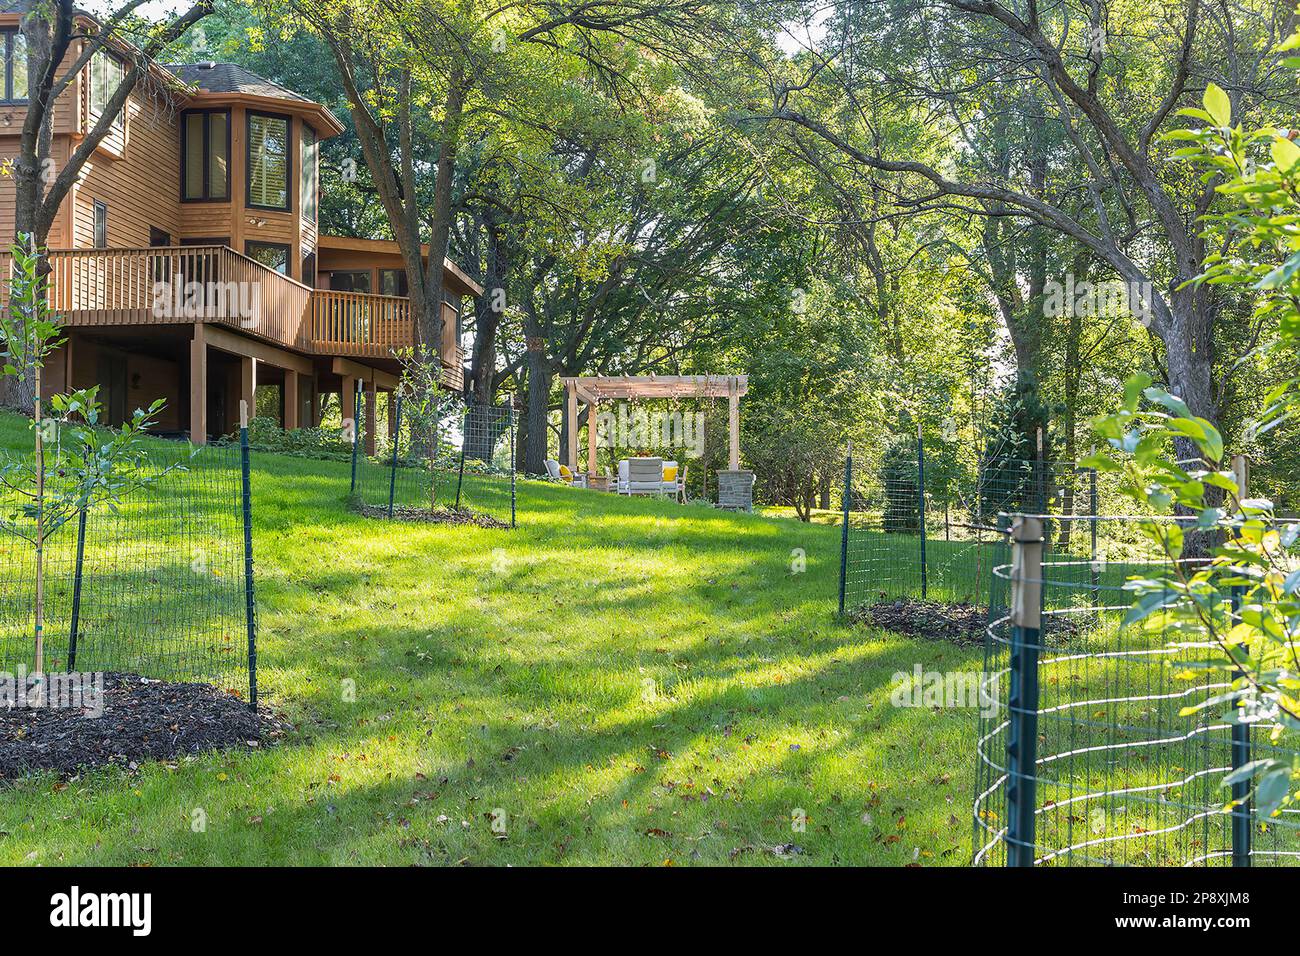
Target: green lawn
{"points": [[631, 682]]}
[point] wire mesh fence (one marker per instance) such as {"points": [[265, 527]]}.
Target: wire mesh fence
{"points": [[1087, 753], [457, 460], [915, 532], [159, 584]]}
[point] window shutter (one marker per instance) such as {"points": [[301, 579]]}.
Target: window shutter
{"points": [[268, 168]]}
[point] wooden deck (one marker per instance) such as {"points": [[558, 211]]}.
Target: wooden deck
{"points": [[217, 285]]}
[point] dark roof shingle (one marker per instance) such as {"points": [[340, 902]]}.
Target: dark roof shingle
{"points": [[231, 78]]}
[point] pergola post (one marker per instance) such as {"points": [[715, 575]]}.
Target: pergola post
{"points": [[733, 423], [571, 426], [591, 439]]}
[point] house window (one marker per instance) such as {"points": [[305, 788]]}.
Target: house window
{"points": [[393, 282], [159, 237], [205, 156], [270, 254], [268, 161], [101, 225], [350, 281], [13, 69], [310, 159], [106, 75], [309, 269]]}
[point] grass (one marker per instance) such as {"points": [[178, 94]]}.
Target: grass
{"points": [[627, 681]]}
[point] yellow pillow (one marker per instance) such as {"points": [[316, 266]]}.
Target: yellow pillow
{"points": [[670, 474], [565, 473]]}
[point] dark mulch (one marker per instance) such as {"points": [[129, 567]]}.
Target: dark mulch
{"points": [[433, 515], [142, 719], [958, 623]]}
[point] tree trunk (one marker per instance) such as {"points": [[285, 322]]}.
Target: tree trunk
{"points": [[488, 313], [537, 402]]}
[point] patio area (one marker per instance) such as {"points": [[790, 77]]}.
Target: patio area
{"points": [[651, 475]]}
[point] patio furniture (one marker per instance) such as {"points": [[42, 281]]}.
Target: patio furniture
{"points": [[562, 474], [641, 476], [674, 481]]}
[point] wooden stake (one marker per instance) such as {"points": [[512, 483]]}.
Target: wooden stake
{"points": [[40, 532]]}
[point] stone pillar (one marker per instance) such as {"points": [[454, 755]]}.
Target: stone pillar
{"points": [[736, 490]]}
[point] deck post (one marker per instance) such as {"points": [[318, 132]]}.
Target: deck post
{"points": [[198, 386], [247, 384], [372, 401], [571, 426], [291, 401]]}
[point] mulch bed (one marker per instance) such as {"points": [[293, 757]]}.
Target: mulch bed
{"points": [[142, 719], [958, 623], [433, 515]]}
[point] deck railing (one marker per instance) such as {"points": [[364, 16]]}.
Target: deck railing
{"points": [[182, 284], [358, 323]]}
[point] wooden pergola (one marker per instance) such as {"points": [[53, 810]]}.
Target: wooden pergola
{"points": [[594, 389]]}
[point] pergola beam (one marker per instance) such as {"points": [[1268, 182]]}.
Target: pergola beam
{"points": [[594, 389]]}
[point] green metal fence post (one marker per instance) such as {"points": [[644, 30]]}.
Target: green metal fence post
{"points": [[844, 531], [511, 419], [1092, 529], [397, 436], [920, 507], [250, 603], [76, 589], [1022, 700], [356, 440], [1241, 810]]}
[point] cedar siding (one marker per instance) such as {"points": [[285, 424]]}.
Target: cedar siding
{"points": [[307, 343]]}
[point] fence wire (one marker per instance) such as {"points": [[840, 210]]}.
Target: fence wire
{"points": [[159, 589], [457, 458], [913, 532], [1114, 772]]}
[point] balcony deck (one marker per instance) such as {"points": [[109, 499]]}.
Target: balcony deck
{"points": [[217, 285]]}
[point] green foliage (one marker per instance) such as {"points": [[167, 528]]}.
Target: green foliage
{"points": [[899, 475], [1254, 556], [265, 434], [1010, 479]]}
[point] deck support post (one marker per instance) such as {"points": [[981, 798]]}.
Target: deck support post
{"points": [[348, 403], [247, 384], [372, 402], [198, 386], [291, 400]]}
